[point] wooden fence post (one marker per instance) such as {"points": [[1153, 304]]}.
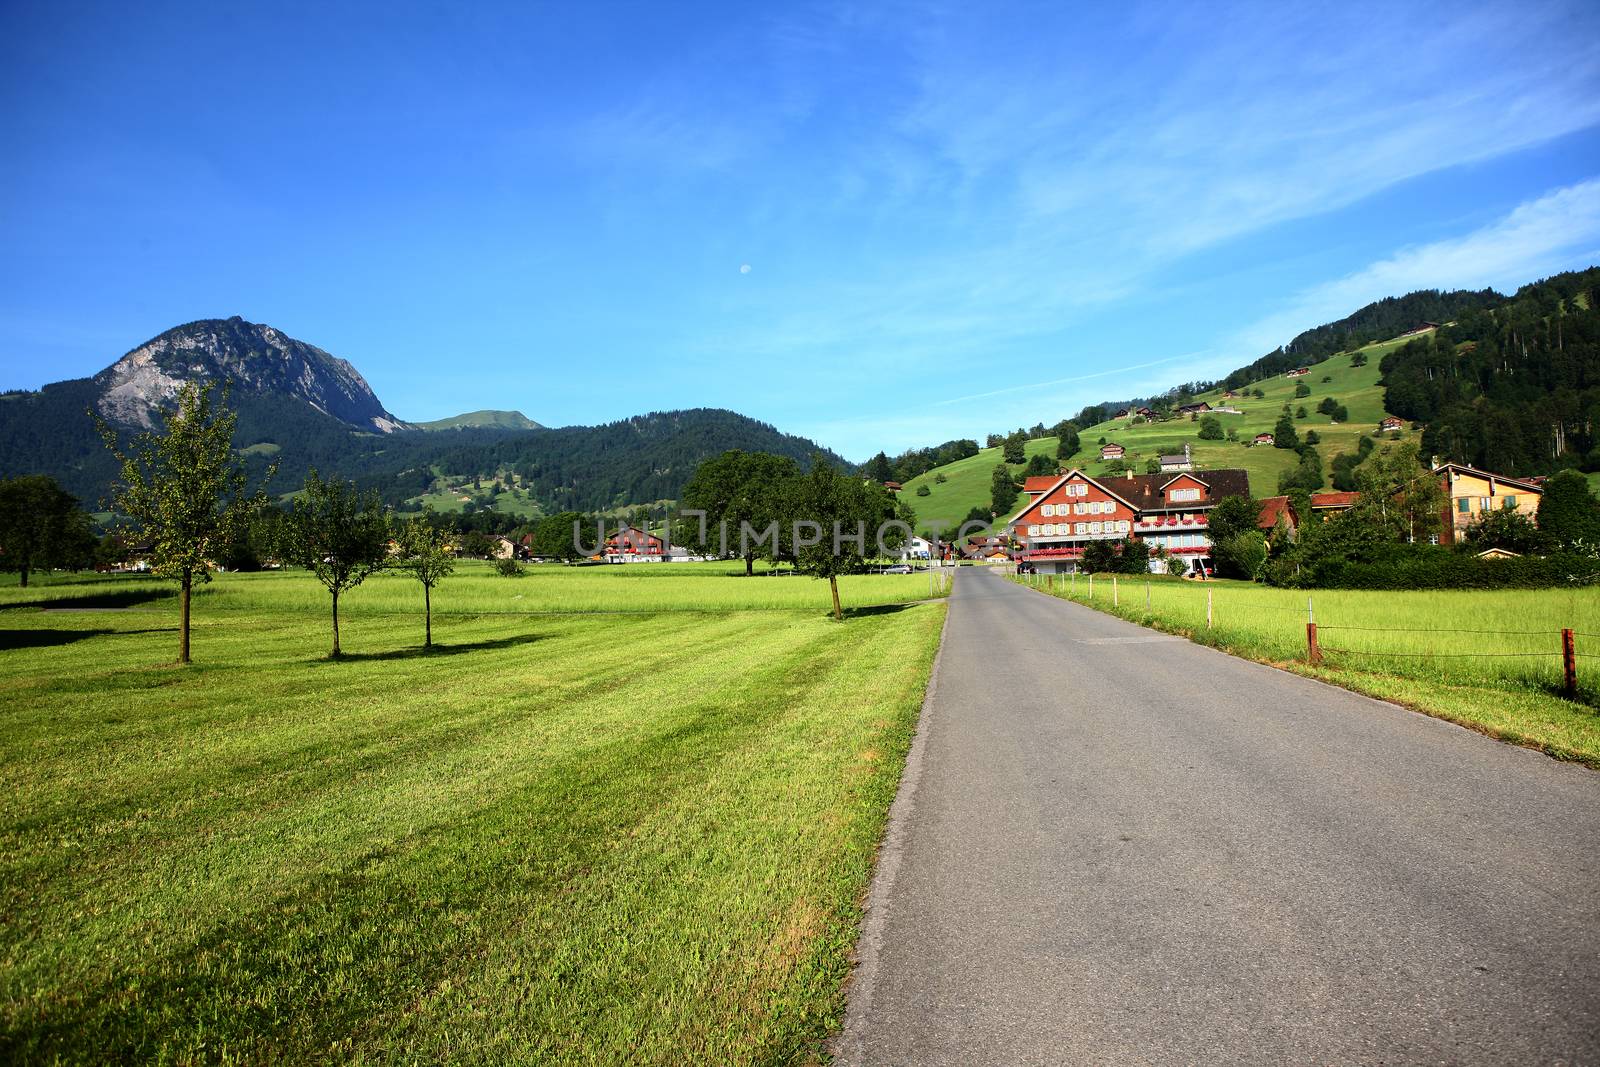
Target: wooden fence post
{"points": [[1114, 600], [1147, 594], [1569, 664], [1208, 609], [1091, 587], [1313, 650]]}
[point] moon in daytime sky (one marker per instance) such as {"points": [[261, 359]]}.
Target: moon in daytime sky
{"points": [[744, 268]]}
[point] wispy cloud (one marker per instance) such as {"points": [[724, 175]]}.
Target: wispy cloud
{"points": [[1558, 230]]}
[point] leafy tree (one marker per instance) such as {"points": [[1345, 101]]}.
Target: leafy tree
{"points": [[1039, 465], [1313, 437], [1301, 390], [977, 514], [185, 489], [1400, 498], [1152, 466], [1233, 434], [1284, 434], [1301, 412], [1306, 475], [1231, 516], [425, 552], [939, 478], [737, 488], [1358, 359], [1506, 528], [1568, 511], [994, 440], [924, 490], [556, 537], [1211, 428], [1328, 406], [835, 503], [1340, 414], [1242, 554], [1016, 448], [1258, 394], [1099, 556], [1003, 489], [41, 526], [1133, 556], [338, 533]]}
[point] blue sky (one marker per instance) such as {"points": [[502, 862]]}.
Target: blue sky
{"points": [[957, 218]]}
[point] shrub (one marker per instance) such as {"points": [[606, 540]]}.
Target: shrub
{"points": [[1211, 428], [509, 568], [923, 490]]}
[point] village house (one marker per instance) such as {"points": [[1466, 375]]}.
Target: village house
{"points": [[1325, 506], [986, 549], [893, 487], [1062, 518], [1179, 462], [506, 548], [1263, 439], [633, 545], [1195, 408], [1112, 450], [1471, 493], [1297, 372], [1230, 395], [1391, 424]]}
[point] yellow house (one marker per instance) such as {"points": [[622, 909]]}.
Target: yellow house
{"points": [[1470, 493]]}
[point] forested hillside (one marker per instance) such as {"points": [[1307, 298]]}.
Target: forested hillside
{"points": [[1514, 388]]}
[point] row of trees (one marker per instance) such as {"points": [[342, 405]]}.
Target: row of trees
{"points": [[823, 520]]}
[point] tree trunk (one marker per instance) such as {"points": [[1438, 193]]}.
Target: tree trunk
{"points": [[833, 583], [24, 573], [183, 622], [749, 567], [427, 618], [335, 653]]}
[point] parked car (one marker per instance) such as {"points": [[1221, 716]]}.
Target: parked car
{"points": [[898, 568]]}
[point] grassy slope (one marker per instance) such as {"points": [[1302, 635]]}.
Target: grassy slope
{"points": [[1356, 387], [1378, 643], [569, 838], [505, 420]]}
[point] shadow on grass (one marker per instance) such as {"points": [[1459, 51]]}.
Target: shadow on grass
{"points": [[15, 639], [437, 650], [1587, 697], [875, 609], [123, 598]]}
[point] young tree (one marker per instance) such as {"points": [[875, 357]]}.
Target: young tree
{"points": [[1211, 428], [186, 491], [879, 469], [1301, 390], [1399, 496], [1099, 556], [339, 534], [1067, 443], [841, 507], [41, 526], [1039, 464], [1016, 448], [425, 552]]}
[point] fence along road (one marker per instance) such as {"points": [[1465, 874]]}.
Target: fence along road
{"points": [[1112, 845]]}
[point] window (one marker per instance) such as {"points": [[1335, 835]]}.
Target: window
{"points": [[1509, 502], [1049, 529], [1485, 503], [1186, 494], [1124, 525], [1094, 527], [1463, 505], [1033, 531], [1079, 527], [1078, 509], [1048, 510]]}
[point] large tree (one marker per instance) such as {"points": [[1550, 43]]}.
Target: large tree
{"points": [[1003, 490], [41, 526], [425, 552], [1067, 443], [339, 534], [1399, 495], [1568, 511], [556, 537], [834, 521], [185, 489], [737, 488]]}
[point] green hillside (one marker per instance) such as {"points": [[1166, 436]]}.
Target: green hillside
{"points": [[483, 420], [966, 482]]}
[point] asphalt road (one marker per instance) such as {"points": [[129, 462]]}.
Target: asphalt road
{"points": [[1113, 846]]}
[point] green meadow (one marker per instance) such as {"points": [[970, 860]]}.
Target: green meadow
{"points": [[620, 814], [1489, 660]]}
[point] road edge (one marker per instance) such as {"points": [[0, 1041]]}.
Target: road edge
{"points": [[848, 1044]]}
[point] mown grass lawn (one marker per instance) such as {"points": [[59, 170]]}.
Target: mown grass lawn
{"points": [[1485, 659], [564, 838]]}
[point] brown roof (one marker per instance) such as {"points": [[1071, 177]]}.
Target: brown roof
{"points": [[1334, 500], [1271, 508], [1038, 483], [1143, 491]]}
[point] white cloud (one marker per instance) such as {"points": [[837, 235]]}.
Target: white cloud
{"points": [[1554, 232]]}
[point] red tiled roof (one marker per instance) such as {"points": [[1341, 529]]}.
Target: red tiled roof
{"points": [[1334, 500], [1271, 508], [1038, 483]]}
